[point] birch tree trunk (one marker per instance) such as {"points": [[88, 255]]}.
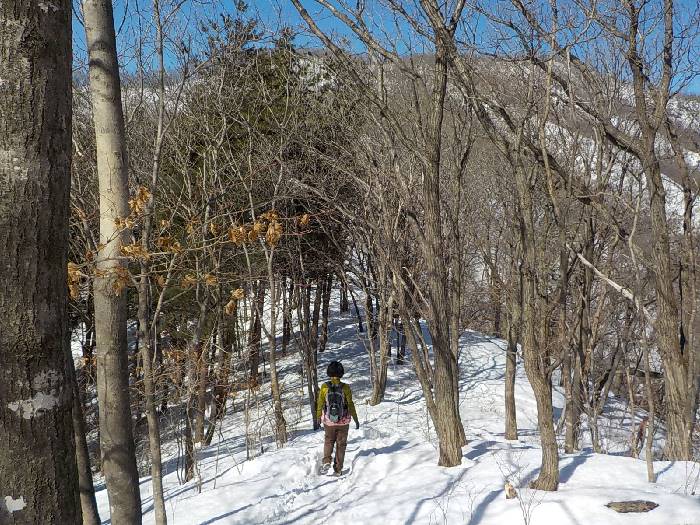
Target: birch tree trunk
{"points": [[116, 437], [39, 479]]}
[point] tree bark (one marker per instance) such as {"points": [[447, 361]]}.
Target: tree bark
{"points": [[360, 328], [193, 358], [88, 503], [447, 421], [384, 347], [255, 335], [316, 316], [286, 314], [201, 390], [117, 442], [344, 303], [400, 343], [222, 385], [154, 443], [535, 358], [308, 353], [511, 423], [276, 392], [325, 311], [39, 480]]}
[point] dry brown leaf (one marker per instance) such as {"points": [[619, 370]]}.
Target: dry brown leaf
{"points": [[189, 280], [237, 234], [274, 233], [231, 307], [270, 215], [74, 275], [124, 223], [192, 225], [168, 244], [139, 201], [121, 281], [135, 251]]}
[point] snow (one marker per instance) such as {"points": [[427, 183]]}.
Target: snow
{"points": [[393, 475]]}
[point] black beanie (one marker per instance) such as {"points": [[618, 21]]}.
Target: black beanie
{"points": [[335, 369]]}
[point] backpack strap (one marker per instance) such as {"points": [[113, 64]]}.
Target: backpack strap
{"points": [[329, 388]]}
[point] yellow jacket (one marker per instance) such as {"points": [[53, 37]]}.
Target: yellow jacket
{"points": [[348, 399]]}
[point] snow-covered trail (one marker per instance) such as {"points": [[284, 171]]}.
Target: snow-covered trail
{"points": [[393, 477]]}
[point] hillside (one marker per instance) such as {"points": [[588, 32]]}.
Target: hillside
{"points": [[392, 474]]}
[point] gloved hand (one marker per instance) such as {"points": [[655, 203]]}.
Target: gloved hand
{"points": [[357, 425]]}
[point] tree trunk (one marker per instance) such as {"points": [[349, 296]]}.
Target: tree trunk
{"points": [[280, 422], [222, 386], [39, 480], [572, 382], [308, 353], [372, 343], [535, 358], [360, 328], [511, 430], [447, 421], [325, 311], [548, 478], [201, 390], [286, 315], [190, 457], [89, 343], [496, 301], [117, 442], [255, 335], [344, 303], [400, 343], [146, 339], [678, 395], [318, 296], [384, 344], [649, 446], [88, 503], [194, 355], [439, 397]]}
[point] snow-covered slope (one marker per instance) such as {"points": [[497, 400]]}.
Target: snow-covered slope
{"points": [[393, 477]]}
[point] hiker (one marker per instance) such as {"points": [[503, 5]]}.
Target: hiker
{"points": [[334, 408]]}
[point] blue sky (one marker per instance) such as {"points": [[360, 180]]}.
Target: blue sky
{"points": [[273, 14], [275, 10]]}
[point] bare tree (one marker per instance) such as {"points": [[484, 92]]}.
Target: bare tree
{"points": [[117, 441]]}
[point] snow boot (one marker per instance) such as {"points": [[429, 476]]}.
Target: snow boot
{"points": [[325, 468]]}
